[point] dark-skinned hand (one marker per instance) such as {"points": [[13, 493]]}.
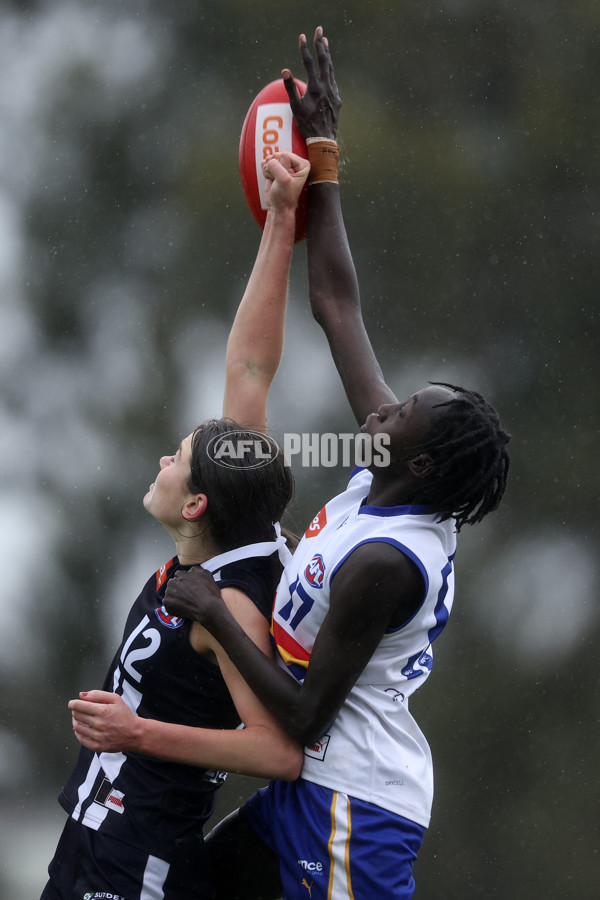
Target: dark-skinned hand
{"points": [[317, 112], [193, 594]]}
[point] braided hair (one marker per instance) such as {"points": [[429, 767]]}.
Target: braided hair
{"points": [[468, 447]]}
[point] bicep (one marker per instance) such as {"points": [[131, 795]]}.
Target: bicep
{"points": [[340, 653], [250, 709], [368, 590]]}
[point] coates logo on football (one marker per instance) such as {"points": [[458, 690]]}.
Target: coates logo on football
{"points": [[315, 571], [242, 450], [269, 128]]}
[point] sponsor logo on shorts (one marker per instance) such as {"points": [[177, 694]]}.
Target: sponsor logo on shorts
{"points": [[309, 866], [102, 895], [318, 749], [312, 868]]}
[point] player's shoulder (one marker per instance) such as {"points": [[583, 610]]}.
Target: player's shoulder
{"points": [[247, 615], [376, 562], [379, 580], [241, 606]]}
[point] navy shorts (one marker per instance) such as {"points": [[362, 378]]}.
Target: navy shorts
{"points": [[89, 865], [331, 845]]}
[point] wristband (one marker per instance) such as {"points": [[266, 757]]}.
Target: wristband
{"points": [[324, 158]]}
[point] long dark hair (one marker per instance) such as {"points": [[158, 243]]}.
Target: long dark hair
{"points": [[468, 446], [247, 490]]}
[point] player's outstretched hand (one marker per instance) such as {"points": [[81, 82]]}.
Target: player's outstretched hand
{"points": [[285, 176], [193, 595], [317, 112], [103, 722]]}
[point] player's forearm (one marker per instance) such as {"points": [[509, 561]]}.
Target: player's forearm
{"points": [[257, 750], [335, 302], [333, 284], [300, 715], [256, 341]]}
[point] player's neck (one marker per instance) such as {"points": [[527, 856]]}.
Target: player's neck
{"points": [[196, 549], [391, 489]]}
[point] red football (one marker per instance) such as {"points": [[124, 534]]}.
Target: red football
{"points": [[269, 127]]}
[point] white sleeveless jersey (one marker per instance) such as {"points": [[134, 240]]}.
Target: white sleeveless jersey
{"points": [[374, 750]]}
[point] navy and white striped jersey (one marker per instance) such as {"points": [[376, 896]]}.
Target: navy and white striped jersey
{"points": [[144, 801]]}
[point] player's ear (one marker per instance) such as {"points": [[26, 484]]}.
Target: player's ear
{"points": [[194, 509], [421, 465]]}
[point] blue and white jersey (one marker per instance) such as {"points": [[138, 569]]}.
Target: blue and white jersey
{"points": [[375, 750]]}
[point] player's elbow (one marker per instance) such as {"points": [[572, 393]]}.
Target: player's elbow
{"points": [[289, 762], [295, 764], [329, 312], [324, 310], [309, 727]]}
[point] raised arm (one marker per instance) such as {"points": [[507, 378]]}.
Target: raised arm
{"points": [[333, 285], [256, 339]]}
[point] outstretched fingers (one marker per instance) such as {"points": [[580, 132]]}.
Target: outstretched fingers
{"points": [[330, 70], [323, 58], [316, 112], [307, 60], [292, 90]]}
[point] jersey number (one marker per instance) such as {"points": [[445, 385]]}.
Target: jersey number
{"points": [[128, 659], [303, 610]]}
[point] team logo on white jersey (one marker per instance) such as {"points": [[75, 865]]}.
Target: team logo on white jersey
{"points": [[315, 571], [170, 621]]}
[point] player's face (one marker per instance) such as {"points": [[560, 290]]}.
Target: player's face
{"points": [[408, 423], [168, 494]]}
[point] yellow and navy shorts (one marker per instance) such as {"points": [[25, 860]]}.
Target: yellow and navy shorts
{"points": [[332, 846]]}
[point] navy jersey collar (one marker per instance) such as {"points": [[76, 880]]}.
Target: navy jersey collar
{"points": [[408, 510], [403, 510]]}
